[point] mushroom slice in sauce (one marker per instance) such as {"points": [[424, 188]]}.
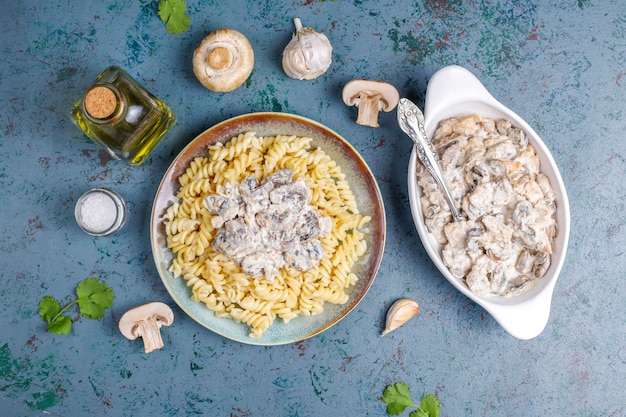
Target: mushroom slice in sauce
{"points": [[291, 196], [304, 255], [265, 225], [495, 174]]}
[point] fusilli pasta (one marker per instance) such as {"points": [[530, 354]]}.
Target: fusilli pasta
{"points": [[218, 281]]}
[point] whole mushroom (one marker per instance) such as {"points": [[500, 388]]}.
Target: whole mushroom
{"points": [[224, 60], [145, 321], [370, 97]]}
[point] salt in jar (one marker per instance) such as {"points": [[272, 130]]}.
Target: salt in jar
{"points": [[100, 212]]}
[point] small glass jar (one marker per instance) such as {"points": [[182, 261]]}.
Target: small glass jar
{"points": [[100, 212], [123, 117]]}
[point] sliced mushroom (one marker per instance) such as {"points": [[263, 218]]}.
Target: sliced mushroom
{"points": [[370, 97], [145, 321], [224, 60]]}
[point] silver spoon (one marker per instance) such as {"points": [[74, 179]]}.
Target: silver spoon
{"points": [[411, 121]]}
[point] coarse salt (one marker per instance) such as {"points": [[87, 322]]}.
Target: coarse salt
{"points": [[100, 212]]}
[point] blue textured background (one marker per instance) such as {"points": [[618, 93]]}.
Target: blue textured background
{"points": [[561, 66]]}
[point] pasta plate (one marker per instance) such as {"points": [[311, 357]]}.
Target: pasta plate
{"points": [[454, 91], [362, 184]]}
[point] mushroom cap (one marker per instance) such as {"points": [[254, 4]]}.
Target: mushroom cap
{"points": [[354, 88], [156, 310], [224, 60]]}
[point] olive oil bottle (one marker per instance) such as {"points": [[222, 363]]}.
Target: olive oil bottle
{"points": [[123, 117]]}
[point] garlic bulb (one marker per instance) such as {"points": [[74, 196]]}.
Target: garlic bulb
{"points": [[307, 55], [399, 313]]}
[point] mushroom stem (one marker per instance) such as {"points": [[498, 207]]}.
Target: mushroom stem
{"points": [[145, 321], [149, 331], [220, 58], [369, 104], [370, 97]]}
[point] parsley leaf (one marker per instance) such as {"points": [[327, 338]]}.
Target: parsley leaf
{"points": [[61, 325], [398, 398], [48, 308], [93, 298], [172, 12], [430, 405]]}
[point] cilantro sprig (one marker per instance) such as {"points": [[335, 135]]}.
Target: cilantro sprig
{"points": [[398, 398], [173, 13], [93, 298]]}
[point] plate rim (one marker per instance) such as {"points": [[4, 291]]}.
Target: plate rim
{"points": [[187, 155]]}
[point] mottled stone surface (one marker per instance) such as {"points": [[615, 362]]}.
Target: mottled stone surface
{"points": [[560, 65]]}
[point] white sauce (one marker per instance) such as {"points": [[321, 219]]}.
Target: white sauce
{"points": [[265, 226], [495, 179]]}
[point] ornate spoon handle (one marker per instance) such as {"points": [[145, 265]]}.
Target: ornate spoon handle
{"points": [[411, 121]]}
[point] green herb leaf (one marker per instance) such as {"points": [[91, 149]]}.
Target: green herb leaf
{"points": [[398, 398], [172, 12], [94, 296], [60, 325], [430, 405], [48, 308]]}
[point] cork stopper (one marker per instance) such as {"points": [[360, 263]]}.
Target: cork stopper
{"points": [[100, 102], [220, 58]]}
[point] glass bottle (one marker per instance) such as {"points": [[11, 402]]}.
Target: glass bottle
{"points": [[123, 117]]}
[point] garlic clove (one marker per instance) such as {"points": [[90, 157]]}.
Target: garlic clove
{"points": [[399, 313], [308, 55]]}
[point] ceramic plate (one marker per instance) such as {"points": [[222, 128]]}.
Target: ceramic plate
{"points": [[454, 91], [363, 186]]}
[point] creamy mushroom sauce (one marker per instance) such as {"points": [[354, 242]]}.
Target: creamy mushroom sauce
{"points": [[495, 179], [265, 225]]}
